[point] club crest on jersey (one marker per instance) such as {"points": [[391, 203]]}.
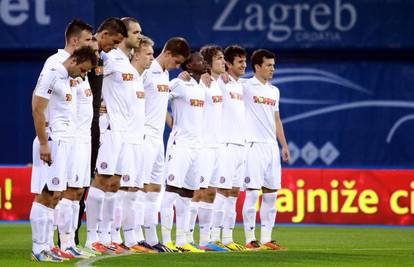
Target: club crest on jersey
{"points": [[236, 96], [126, 178], [88, 92], [99, 70], [140, 95], [127, 76], [68, 97], [171, 177], [73, 83], [217, 98], [222, 179], [163, 88], [196, 103], [264, 100], [55, 181]]}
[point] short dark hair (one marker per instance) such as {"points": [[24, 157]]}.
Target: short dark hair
{"points": [[258, 57], [178, 46], [113, 26], [188, 60], [128, 20], [209, 51], [233, 51], [84, 54], [75, 28]]}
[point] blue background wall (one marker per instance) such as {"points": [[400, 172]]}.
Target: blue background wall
{"points": [[344, 67]]}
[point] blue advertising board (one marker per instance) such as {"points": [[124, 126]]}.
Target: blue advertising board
{"points": [[251, 23]]}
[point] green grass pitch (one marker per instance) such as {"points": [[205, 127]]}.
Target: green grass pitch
{"points": [[308, 246]]}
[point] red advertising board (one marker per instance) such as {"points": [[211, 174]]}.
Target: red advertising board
{"points": [[327, 196]]}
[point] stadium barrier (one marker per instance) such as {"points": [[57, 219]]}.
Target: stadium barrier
{"points": [[321, 196]]}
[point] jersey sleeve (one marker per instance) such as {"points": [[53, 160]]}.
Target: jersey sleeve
{"points": [[176, 88], [276, 108], [45, 84]]}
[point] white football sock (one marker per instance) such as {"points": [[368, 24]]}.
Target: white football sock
{"points": [[192, 221], [128, 220], [205, 220], [104, 228], [151, 217], [94, 213], [118, 214], [75, 208], [65, 222], [249, 214], [218, 215], [139, 215], [167, 215], [229, 219], [182, 208], [38, 222], [267, 216]]}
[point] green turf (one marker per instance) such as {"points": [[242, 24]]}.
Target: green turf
{"points": [[308, 246]]}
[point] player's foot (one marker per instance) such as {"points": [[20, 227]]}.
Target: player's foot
{"points": [[256, 245], [146, 245], [211, 246], [62, 254], [117, 248], [88, 251], [233, 246], [273, 245], [138, 248], [46, 256], [101, 248], [162, 249], [190, 248], [172, 246], [76, 253]]}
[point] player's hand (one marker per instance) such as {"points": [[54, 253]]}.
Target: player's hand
{"points": [[206, 78], [285, 154], [225, 77], [45, 154], [185, 76]]}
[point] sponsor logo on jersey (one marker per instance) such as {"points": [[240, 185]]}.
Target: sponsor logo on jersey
{"points": [[88, 92], [196, 103], [49, 91], [140, 95], [163, 88], [127, 76], [68, 97], [217, 98], [237, 96], [264, 100]]}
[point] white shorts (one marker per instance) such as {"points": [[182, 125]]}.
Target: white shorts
{"points": [[55, 175], [209, 167], [182, 166], [231, 166], [133, 166], [262, 166], [80, 167], [111, 153], [154, 160]]}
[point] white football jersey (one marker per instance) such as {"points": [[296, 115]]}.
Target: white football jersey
{"points": [[187, 102], [156, 86], [118, 89], [233, 117], [54, 85], [59, 57], [213, 106], [136, 129], [84, 110], [261, 102]]}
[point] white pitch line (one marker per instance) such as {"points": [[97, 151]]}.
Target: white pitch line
{"points": [[89, 262]]}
